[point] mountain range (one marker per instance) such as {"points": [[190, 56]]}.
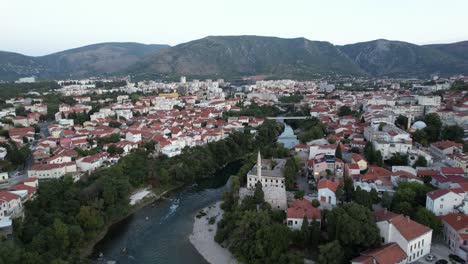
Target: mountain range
{"points": [[242, 56]]}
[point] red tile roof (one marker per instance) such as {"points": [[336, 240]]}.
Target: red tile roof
{"points": [[325, 183], [456, 221], [452, 170], [302, 207], [8, 196], [408, 228], [441, 192], [388, 254]]}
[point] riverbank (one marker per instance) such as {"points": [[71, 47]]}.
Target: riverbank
{"points": [[148, 199], [204, 231]]}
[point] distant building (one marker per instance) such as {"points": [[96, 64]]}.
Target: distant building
{"points": [[31, 79]]}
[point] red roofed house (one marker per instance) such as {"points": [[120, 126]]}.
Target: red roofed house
{"points": [[359, 160], [297, 211], [446, 147], [10, 204], [456, 233], [444, 201], [413, 238], [352, 170], [17, 134], [92, 162], [390, 253], [327, 191], [446, 171], [51, 171]]}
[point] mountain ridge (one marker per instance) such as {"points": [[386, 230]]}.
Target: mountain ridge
{"points": [[241, 56]]}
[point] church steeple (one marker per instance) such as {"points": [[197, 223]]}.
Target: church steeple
{"points": [[259, 166]]}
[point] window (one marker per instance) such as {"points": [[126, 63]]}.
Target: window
{"points": [[423, 242], [411, 248], [441, 206]]}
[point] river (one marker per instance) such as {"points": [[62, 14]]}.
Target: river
{"points": [[163, 238], [288, 138]]}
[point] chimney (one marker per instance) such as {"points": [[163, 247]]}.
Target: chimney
{"points": [[407, 218], [385, 211], [459, 217]]}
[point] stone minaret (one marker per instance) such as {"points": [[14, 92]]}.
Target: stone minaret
{"points": [[410, 119], [259, 166]]}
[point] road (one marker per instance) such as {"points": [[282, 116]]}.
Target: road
{"points": [[439, 250]]}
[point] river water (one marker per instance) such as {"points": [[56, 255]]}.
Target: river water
{"points": [[163, 237], [288, 138]]}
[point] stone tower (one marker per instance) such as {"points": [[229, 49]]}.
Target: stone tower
{"points": [[259, 166]]}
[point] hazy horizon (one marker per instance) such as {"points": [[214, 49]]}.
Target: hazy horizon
{"points": [[39, 28]]}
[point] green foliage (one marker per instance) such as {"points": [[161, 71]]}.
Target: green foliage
{"points": [[401, 121], [429, 219], [420, 162], [331, 253], [259, 197], [8, 90], [255, 110], [293, 98], [373, 156], [345, 110], [354, 227], [398, 159], [338, 153], [290, 171], [409, 196], [433, 128], [315, 203], [459, 86], [453, 133]]}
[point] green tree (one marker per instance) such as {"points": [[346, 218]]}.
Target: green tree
{"points": [[315, 203], [420, 162], [331, 253], [338, 153], [453, 133], [259, 197], [344, 110], [429, 219], [354, 227]]}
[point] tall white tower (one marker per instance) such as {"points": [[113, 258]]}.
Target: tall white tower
{"points": [[259, 166]]}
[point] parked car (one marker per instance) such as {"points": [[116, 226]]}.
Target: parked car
{"points": [[430, 257], [441, 261], [456, 258]]}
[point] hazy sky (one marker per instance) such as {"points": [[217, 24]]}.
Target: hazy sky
{"points": [[37, 27]]}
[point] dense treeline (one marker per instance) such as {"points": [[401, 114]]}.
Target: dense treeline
{"points": [[309, 129], [110, 85], [9, 90], [254, 233], [255, 110], [67, 216]]}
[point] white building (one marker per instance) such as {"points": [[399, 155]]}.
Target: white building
{"points": [[92, 162], [413, 238], [296, 212], [133, 136], [327, 191], [271, 176], [444, 201], [455, 233], [171, 150], [51, 171], [389, 140]]}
